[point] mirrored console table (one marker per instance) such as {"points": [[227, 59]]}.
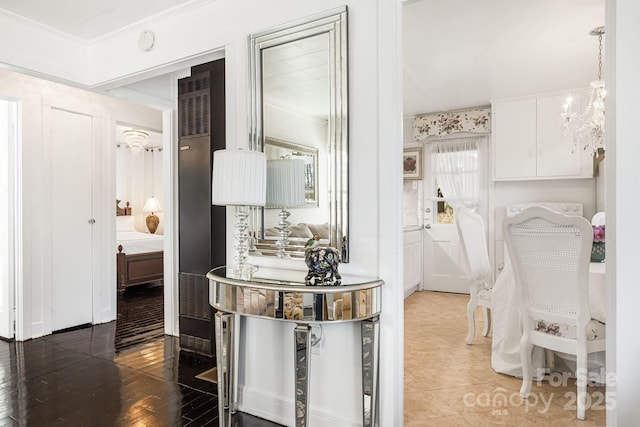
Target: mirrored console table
{"points": [[358, 299]]}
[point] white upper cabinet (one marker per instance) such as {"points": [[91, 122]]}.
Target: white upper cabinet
{"points": [[528, 142], [514, 138], [556, 155]]}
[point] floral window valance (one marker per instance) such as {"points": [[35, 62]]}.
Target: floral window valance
{"points": [[477, 120]]}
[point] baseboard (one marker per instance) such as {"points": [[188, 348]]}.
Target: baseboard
{"points": [[37, 330], [106, 315], [276, 409], [408, 291]]}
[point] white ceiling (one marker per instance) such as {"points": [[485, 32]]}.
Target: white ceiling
{"points": [[296, 76], [456, 53], [463, 53], [88, 19]]}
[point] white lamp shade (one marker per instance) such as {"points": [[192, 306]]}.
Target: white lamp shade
{"points": [[152, 205], [285, 183], [239, 178]]}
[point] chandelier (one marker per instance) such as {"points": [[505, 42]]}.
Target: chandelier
{"points": [[136, 139], [587, 128]]}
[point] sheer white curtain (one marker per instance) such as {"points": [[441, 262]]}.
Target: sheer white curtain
{"points": [[138, 176], [153, 174], [458, 168]]}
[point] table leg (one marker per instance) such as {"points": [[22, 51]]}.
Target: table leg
{"points": [[224, 324], [370, 330], [235, 363], [302, 359]]}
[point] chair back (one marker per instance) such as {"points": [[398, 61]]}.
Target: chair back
{"points": [[550, 255], [473, 238]]}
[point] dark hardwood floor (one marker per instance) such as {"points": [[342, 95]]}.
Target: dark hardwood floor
{"points": [[122, 373]]}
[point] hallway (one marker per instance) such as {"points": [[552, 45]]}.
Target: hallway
{"points": [[123, 373]]}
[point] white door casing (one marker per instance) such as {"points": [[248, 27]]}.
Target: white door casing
{"points": [[8, 146]]}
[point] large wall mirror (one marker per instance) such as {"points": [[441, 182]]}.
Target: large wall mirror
{"points": [[298, 78]]}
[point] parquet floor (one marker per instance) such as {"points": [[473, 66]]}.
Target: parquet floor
{"points": [[123, 373], [450, 383]]}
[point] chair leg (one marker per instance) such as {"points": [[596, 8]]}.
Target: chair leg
{"points": [[550, 359], [471, 310], [525, 358], [581, 382], [487, 322]]}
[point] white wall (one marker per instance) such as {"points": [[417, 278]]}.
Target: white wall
{"points": [[36, 219], [375, 181], [39, 50], [269, 392], [623, 205]]}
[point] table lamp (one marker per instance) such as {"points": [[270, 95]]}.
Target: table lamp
{"points": [[152, 205], [238, 180], [285, 189]]}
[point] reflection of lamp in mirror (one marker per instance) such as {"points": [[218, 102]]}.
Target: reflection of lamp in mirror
{"points": [[285, 189], [239, 180], [152, 205]]}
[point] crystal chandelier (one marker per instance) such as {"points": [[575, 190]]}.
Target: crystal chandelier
{"points": [[136, 139], [587, 128]]}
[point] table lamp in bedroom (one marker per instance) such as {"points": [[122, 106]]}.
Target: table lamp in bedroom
{"points": [[152, 205], [239, 179]]}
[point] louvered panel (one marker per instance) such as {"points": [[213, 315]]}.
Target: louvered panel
{"points": [[194, 106]]}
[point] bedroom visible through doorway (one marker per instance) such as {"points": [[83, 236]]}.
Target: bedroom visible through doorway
{"points": [[139, 234]]}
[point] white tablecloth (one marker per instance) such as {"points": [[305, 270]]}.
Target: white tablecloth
{"points": [[505, 346]]}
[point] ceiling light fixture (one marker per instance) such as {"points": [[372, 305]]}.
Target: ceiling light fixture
{"points": [[587, 128], [136, 139]]}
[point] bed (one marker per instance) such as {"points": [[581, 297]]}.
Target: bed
{"points": [[140, 255]]}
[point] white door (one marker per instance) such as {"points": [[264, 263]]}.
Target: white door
{"points": [[444, 264], [8, 139], [443, 256], [71, 211]]}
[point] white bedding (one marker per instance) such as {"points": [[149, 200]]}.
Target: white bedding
{"points": [[134, 242]]}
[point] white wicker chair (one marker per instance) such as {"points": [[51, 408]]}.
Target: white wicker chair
{"points": [[550, 255], [474, 244]]}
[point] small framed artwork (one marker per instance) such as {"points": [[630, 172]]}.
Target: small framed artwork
{"points": [[412, 163]]}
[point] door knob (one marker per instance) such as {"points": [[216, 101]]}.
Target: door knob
{"points": [[92, 221], [427, 226]]}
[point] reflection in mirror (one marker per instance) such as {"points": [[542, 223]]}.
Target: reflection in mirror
{"points": [[275, 149], [299, 111]]}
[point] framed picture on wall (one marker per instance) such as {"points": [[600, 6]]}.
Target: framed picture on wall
{"points": [[412, 163]]}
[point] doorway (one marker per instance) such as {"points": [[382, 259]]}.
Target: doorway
{"points": [[139, 235], [443, 257], [9, 217]]}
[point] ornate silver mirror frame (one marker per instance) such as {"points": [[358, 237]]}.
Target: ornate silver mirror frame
{"points": [[327, 33]]}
